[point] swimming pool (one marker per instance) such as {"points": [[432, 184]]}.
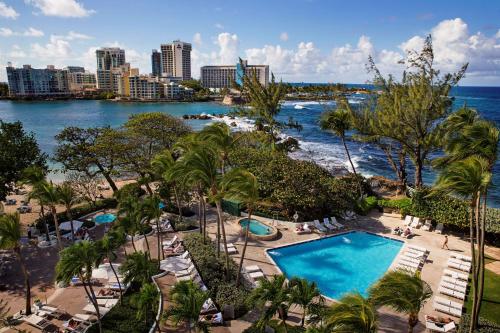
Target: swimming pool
{"points": [[339, 264], [256, 227], [104, 218]]}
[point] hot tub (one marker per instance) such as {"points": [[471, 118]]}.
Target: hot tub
{"points": [[258, 230]]}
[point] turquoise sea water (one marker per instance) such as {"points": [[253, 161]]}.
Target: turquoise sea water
{"points": [[256, 227], [46, 119], [339, 264]]}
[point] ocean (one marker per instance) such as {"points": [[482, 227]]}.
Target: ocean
{"points": [[46, 119]]}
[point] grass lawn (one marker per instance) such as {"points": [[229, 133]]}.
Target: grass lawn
{"points": [[491, 300]]}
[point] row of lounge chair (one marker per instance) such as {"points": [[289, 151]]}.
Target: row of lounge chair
{"points": [[417, 222], [165, 225], [328, 225], [413, 258]]}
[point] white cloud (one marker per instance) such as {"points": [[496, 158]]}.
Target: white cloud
{"points": [[284, 36], [61, 8], [228, 48], [8, 11], [17, 52], [197, 39], [219, 26], [30, 32], [75, 35], [56, 48]]}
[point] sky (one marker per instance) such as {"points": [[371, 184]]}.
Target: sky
{"points": [[301, 40]]}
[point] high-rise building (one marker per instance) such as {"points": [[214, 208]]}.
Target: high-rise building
{"points": [[108, 58], [33, 82], [156, 63], [223, 76], [80, 80], [176, 60]]}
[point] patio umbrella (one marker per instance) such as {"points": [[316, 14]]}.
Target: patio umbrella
{"points": [[100, 273], [173, 265], [67, 225]]}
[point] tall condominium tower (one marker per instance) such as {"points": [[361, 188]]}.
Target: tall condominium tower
{"points": [[108, 58], [156, 63], [176, 59]]}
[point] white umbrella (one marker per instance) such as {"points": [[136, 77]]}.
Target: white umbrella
{"points": [[173, 266], [67, 225]]}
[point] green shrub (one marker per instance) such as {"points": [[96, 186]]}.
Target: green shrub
{"points": [[485, 326], [296, 186], [129, 190], [399, 204], [185, 225], [274, 324], [364, 206], [229, 294], [77, 212]]}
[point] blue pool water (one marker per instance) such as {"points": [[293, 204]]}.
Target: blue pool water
{"points": [[339, 264], [105, 218], [161, 205], [256, 227]]}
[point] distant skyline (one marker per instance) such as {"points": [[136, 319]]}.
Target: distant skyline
{"points": [[301, 40]]}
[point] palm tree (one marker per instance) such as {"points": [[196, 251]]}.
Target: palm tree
{"points": [[68, 197], [339, 122], [353, 313], [48, 193], [188, 300], [151, 211], [220, 136], [106, 249], [137, 268], [146, 302], [35, 176], [468, 178], [274, 292], [79, 260], [242, 185], [10, 239], [306, 295], [403, 291], [163, 165]]}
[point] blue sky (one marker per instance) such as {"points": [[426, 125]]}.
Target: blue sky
{"points": [[302, 40]]}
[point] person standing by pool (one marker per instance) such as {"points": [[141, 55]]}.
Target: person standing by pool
{"points": [[445, 243]]}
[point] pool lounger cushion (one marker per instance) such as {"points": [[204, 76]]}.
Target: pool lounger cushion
{"points": [[252, 268], [452, 293], [256, 275], [453, 286], [447, 302], [452, 280], [447, 309], [456, 275]]}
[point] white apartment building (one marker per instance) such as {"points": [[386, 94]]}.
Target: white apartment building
{"points": [[176, 60], [223, 76]]}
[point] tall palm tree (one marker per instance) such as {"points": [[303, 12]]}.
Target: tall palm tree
{"points": [[188, 300], [353, 313], [468, 178], [306, 295], [146, 302], [137, 268], [35, 176], [106, 249], [338, 121], [68, 197], [403, 291], [151, 211], [79, 260], [49, 194], [10, 239], [274, 296], [242, 185], [220, 136], [163, 167]]}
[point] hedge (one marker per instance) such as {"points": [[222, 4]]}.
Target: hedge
{"points": [[442, 209], [485, 326], [129, 190], [76, 213], [212, 271]]}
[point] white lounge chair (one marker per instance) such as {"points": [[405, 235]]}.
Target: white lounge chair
{"points": [[462, 267], [461, 257], [414, 255], [450, 292], [231, 249], [38, 322], [439, 228], [418, 248], [304, 230], [447, 309], [91, 309], [326, 223], [402, 266], [453, 286], [208, 306], [256, 275], [252, 268], [427, 225], [452, 280], [408, 219], [190, 270], [447, 302], [415, 223], [408, 235], [413, 260], [409, 263], [169, 243], [456, 275], [438, 327], [336, 223], [319, 227]]}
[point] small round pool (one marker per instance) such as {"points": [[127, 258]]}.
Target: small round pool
{"points": [[258, 230], [161, 205], [104, 218]]}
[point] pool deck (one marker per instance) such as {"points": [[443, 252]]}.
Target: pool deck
{"points": [[377, 223]]}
